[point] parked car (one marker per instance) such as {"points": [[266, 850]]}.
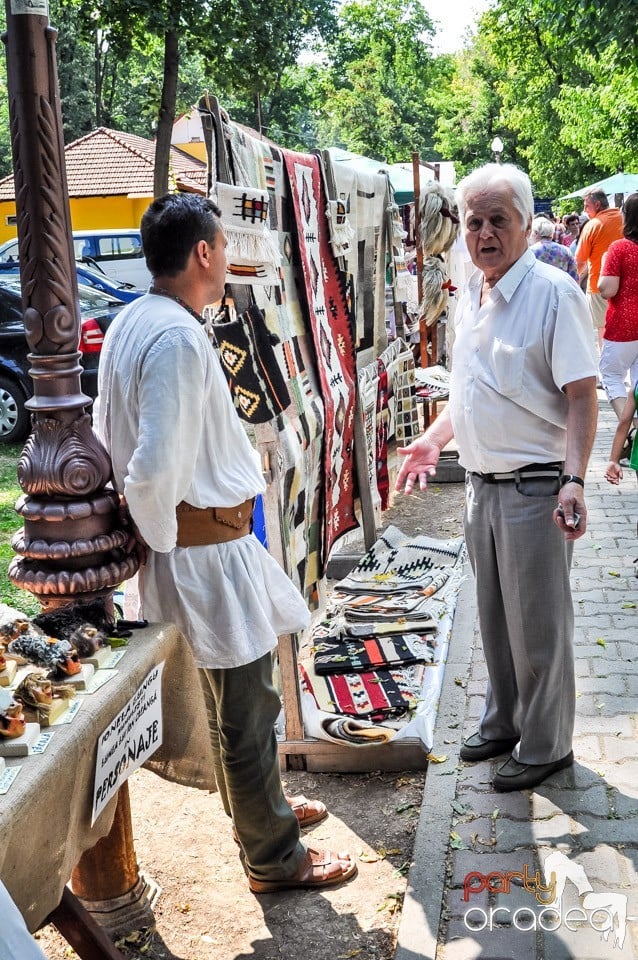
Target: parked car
{"points": [[118, 253], [97, 311], [90, 278]]}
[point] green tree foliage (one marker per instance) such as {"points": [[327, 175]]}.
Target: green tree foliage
{"points": [[594, 25], [600, 119], [379, 66], [467, 106], [557, 80], [565, 113]]}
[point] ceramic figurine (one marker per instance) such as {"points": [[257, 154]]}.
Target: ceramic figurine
{"points": [[12, 720], [58, 656]]}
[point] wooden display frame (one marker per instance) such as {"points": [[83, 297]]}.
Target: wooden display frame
{"points": [[296, 751]]}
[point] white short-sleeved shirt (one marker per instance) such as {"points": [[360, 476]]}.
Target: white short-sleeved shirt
{"points": [[512, 358], [166, 416]]}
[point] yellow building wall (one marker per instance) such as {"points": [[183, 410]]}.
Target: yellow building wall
{"points": [[87, 213], [194, 148]]}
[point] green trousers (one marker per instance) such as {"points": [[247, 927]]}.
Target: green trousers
{"points": [[242, 706]]}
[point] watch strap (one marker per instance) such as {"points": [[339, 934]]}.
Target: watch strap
{"points": [[571, 478]]}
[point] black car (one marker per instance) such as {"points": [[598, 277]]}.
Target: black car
{"points": [[97, 310]]}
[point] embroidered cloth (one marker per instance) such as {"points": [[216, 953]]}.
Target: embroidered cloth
{"points": [[252, 251]]}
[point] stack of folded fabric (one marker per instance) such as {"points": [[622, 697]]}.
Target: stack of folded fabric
{"points": [[432, 383], [372, 651]]}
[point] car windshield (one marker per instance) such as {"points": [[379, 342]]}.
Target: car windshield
{"points": [[92, 300]]}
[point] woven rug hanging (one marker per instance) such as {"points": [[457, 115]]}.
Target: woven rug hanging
{"points": [[330, 323], [299, 435], [381, 433], [398, 360], [252, 249], [247, 353], [366, 196]]}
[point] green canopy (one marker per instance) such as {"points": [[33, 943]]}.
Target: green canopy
{"points": [[617, 183], [400, 174]]}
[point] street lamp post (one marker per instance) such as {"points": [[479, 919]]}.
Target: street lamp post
{"points": [[72, 546], [497, 148]]}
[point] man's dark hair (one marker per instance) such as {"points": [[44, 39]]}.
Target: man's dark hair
{"points": [[630, 217], [171, 227]]}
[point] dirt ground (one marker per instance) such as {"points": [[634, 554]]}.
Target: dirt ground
{"points": [[184, 844]]}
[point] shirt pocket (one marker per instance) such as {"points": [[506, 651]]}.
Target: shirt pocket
{"points": [[508, 364]]}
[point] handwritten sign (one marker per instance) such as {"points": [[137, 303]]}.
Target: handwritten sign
{"points": [[130, 739]]}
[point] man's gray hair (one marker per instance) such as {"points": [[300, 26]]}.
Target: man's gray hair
{"points": [[498, 175], [542, 228], [598, 196]]}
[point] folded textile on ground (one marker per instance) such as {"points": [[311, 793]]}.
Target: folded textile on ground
{"points": [[357, 731], [387, 628], [413, 605], [397, 563], [372, 653], [347, 731], [336, 629], [374, 695]]}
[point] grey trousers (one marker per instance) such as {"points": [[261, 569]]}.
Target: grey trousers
{"points": [[521, 564], [242, 706]]}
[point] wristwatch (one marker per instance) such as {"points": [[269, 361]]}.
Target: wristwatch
{"points": [[571, 478]]}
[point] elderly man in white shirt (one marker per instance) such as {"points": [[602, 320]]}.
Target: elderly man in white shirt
{"points": [[188, 473], [523, 410]]}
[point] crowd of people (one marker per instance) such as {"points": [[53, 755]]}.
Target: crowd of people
{"points": [[599, 249]]}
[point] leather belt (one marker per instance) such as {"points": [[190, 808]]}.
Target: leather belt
{"points": [[530, 471], [198, 527]]}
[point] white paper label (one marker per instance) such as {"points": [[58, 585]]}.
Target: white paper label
{"points": [[8, 776], [38, 7], [131, 738]]}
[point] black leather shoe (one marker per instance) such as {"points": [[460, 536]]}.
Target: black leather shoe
{"points": [[477, 747], [513, 775]]}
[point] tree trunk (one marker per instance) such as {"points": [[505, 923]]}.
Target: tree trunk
{"points": [[166, 116], [97, 73]]}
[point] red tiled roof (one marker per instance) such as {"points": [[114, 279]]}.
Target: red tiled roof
{"points": [[108, 163]]}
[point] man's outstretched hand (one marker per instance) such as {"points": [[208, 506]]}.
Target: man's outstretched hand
{"points": [[419, 463]]}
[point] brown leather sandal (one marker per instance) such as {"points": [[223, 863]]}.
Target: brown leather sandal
{"points": [[307, 811], [319, 868]]}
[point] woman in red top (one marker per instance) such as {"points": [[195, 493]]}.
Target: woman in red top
{"points": [[618, 284]]}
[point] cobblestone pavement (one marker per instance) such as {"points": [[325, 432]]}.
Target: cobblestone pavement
{"points": [[584, 818]]}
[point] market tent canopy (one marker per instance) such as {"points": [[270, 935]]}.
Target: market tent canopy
{"points": [[617, 183], [400, 174]]}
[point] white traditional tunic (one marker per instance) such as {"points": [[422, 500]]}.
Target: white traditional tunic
{"points": [[166, 416]]}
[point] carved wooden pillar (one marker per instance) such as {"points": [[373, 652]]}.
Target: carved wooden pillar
{"points": [[72, 545]]}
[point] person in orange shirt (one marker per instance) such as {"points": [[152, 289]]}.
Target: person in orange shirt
{"points": [[604, 226]]}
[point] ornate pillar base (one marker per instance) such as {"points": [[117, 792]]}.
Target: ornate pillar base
{"points": [[130, 911], [107, 881]]}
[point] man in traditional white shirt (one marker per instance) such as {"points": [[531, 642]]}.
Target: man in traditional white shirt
{"points": [[183, 462], [523, 410]]}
